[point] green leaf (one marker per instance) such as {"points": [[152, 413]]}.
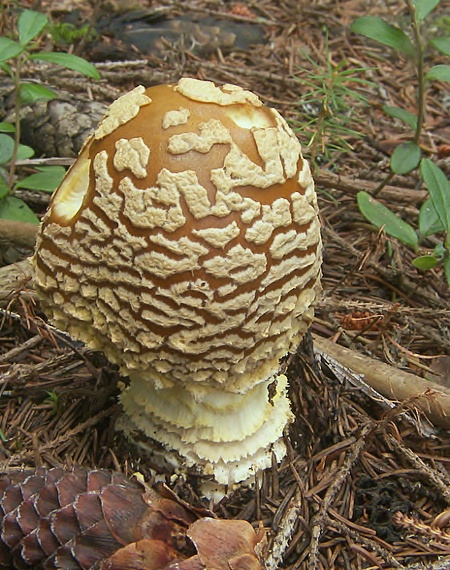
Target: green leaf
{"points": [[439, 250], [425, 262], [24, 152], [69, 61], [32, 92], [381, 216], [66, 33], [7, 69], [442, 44], [429, 221], [12, 208], [438, 73], [7, 127], [6, 148], [423, 8], [30, 24], [9, 49], [439, 189], [406, 157], [46, 180], [398, 113], [4, 188], [379, 30]]}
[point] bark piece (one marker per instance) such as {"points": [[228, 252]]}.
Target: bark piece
{"points": [[394, 383]]}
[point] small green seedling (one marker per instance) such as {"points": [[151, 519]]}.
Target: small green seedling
{"points": [[15, 52], [65, 33], [434, 217], [330, 95], [53, 400]]}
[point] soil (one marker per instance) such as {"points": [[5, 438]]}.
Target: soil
{"points": [[366, 483]]}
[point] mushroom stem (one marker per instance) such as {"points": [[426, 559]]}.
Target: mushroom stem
{"points": [[229, 436]]}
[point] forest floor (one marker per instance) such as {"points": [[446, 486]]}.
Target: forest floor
{"points": [[366, 483]]}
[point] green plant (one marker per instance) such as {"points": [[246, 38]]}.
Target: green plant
{"points": [[434, 216], [15, 52], [329, 102], [53, 400], [67, 33]]}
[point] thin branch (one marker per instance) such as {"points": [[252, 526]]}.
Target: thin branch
{"points": [[432, 399]]}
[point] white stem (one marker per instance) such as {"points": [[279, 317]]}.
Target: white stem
{"points": [[229, 436]]}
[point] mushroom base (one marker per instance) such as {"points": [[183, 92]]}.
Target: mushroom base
{"points": [[228, 437]]}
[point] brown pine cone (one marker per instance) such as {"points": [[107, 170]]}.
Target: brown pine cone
{"points": [[100, 520]]}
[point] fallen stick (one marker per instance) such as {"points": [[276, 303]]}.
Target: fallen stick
{"points": [[352, 186], [15, 278], [394, 383], [21, 234]]}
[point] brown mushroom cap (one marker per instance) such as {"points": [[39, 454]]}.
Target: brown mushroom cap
{"points": [[185, 242]]}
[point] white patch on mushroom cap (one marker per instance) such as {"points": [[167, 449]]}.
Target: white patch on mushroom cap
{"points": [[210, 133], [152, 208], [175, 118], [208, 92], [121, 111], [132, 154], [240, 170], [275, 215], [239, 264], [218, 237]]}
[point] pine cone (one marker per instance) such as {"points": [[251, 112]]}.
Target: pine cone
{"points": [[100, 520], [59, 127]]}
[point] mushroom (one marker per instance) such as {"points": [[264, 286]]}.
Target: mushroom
{"points": [[185, 244]]}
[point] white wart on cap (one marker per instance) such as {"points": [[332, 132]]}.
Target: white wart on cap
{"points": [[184, 243]]}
